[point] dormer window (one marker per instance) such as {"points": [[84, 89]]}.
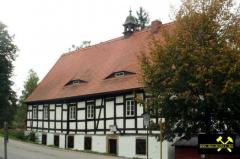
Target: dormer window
{"points": [[119, 74], [75, 82]]}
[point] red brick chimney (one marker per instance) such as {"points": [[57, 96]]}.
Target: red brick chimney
{"points": [[155, 26]]}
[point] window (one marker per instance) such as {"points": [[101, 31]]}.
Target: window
{"points": [[75, 82], [130, 105], [140, 146], [119, 74], [35, 113], [90, 111], [45, 112], [72, 113]]}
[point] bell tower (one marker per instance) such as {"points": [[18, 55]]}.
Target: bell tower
{"points": [[130, 25]]}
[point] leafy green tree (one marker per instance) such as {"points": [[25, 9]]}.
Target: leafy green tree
{"points": [[7, 56], [29, 85], [142, 18], [194, 77]]}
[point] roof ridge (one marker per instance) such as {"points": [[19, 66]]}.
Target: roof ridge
{"points": [[112, 40]]}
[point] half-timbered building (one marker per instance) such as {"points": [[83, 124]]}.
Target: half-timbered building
{"points": [[87, 100]]}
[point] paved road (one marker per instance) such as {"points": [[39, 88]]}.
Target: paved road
{"points": [[21, 150]]}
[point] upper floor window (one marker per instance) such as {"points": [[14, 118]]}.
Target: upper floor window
{"points": [[72, 113], [45, 112], [130, 106], [34, 113], [90, 111]]}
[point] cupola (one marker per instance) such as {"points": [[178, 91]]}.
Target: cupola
{"points": [[130, 24]]}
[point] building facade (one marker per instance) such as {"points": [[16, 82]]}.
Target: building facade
{"points": [[87, 101]]}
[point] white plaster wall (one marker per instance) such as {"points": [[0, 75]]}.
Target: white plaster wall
{"points": [[64, 125], [28, 123], [64, 115], [79, 142], [98, 102], [52, 115], [102, 113], [29, 107], [119, 110], [50, 139], [58, 113], [101, 124], [40, 124], [72, 125], [40, 114], [81, 104], [52, 125], [90, 125], [140, 122], [108, 123], [119, 123], [34, 124], [58, 125], [81, 114], [65, 106], [62, 141], [109, 109], [154, 148], [52, 106], [130, 123], [40, 107], [45, 124], [127, 146], [29, 115], [119, 99], [99, 144], [81, 125]]}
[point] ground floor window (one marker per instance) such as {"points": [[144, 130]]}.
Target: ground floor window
{"points": [[87, 143], [70, 141], [56, 140], [44, 139], [141, 146]]}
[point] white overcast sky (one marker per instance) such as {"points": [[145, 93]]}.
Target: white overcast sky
{"points": [[45, 29]]}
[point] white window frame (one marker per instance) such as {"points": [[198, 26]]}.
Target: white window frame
{"points": [[45, 112], [90, 111], [34, 114], [72, 112], [130, 107]]}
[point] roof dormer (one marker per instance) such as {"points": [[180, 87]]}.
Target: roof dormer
{"points": [[75, 82], [119, 74]]}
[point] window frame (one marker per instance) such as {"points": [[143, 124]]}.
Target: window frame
{"points": [[73, 112], [34, 113], [45, 113], [137, 144], [90, 111], [130, 107]]}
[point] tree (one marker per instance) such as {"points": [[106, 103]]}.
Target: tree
{"points": [[29, 85], [7, 56], [194, 77], [142, 18]]}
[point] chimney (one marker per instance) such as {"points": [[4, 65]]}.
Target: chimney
{"points": [[155, 26]]}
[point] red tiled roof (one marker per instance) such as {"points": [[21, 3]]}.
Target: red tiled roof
{"points": [[93, 64]]}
